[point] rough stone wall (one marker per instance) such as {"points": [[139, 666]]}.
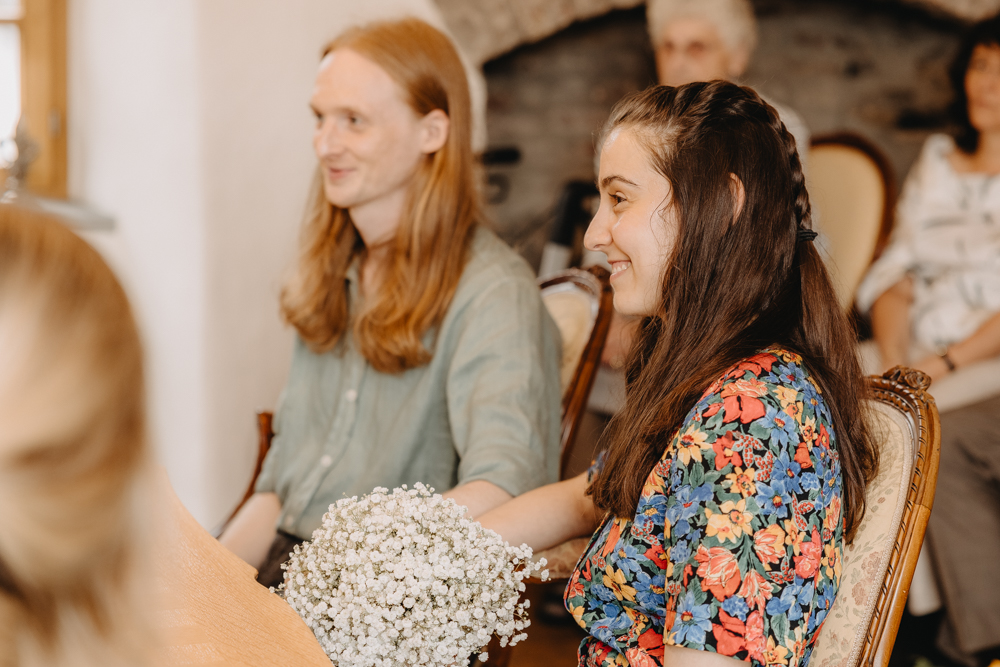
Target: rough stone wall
{"points": [[548, 100], [871, 67], [489, 28], [879, 69]]}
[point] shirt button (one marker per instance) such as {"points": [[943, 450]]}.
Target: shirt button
{"points": [[289, 521], [351, 395], [325, 461]]}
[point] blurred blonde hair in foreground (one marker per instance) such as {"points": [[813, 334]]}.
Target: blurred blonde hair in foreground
{"points": [[72, 444]]}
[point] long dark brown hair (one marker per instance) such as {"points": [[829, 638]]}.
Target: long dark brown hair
{"points": [[734, 284], [432, 240], [984, 33]]}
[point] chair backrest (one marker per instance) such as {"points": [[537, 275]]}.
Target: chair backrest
{"points": [[581, 303], [852, 188], [860, 628]]}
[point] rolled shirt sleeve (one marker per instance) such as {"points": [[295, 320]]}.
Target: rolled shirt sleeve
{"points": [[501, 407]]}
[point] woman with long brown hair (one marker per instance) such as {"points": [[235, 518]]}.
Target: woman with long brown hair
{"points": [[424, 352], [72, 452], [737, 469]]}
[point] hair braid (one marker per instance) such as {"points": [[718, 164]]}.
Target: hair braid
{"points": [[803, 209]]}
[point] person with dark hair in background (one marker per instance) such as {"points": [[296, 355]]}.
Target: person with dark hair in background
{"points": [[934, 297], [424, 352], [737, 469]]}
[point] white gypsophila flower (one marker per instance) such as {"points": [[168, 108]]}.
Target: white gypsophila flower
{"points": [[403, 578]]}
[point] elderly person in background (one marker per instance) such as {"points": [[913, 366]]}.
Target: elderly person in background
{"points": [[703, 40], [934, 297]]}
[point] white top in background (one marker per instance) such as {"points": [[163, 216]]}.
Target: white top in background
{"points": [[947, 236]]}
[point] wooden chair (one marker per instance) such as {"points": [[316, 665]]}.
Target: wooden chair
{"points": [[852, 186], [877, 568], [581, 303]]}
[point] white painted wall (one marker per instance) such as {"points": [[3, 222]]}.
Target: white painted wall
{"points": [[135, 153], [189, 123]]}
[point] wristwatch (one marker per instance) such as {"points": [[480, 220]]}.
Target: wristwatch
{"points": [[943, 353]]}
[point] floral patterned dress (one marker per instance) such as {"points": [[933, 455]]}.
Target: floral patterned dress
{"points": [[735, 546]]}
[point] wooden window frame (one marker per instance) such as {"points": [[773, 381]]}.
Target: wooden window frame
{"points": [[42, 25]]}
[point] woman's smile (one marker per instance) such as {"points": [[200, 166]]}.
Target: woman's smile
{"points": [[618, 267]]}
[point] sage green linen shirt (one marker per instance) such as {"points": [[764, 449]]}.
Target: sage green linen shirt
{"points": [[486, 406]]}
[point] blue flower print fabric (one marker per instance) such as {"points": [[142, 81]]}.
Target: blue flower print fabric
{"points": [[735, 545]]}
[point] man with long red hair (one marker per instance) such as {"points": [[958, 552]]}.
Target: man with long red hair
{"points": [[424, 352]]}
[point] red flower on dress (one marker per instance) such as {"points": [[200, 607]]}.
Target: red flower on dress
{"points": [[730, 636], [725, 452], [712, 409], [741, 398], [657, 556], [802, 456], [756, 590], [651, 641], [807, 565], [756, 364], [755, 641], [575, 586], [718, 570], [612, 541], [824, 437], [769, 543], [639, 658]]}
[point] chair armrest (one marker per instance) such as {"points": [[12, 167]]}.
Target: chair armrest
{"points": [[562, 559]]}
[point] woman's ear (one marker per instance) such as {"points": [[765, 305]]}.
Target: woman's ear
{"points": [[738, 194], [434, 129]]}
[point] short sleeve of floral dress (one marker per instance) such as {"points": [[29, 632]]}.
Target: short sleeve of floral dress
{"points": [[735, 545]]}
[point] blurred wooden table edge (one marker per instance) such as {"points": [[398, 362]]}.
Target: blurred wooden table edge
{"points": [[210, 609]]}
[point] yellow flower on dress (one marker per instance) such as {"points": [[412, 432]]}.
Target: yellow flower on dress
{"points": [[690, 444], [786, 395], [775, 655], [730, 522], [743, 481], [793, 536], [832, 518], [615, 580], [808, 432], [831, 561]]}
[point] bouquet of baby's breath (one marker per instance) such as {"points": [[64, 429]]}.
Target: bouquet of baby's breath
{"points": [[403, 578]]}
